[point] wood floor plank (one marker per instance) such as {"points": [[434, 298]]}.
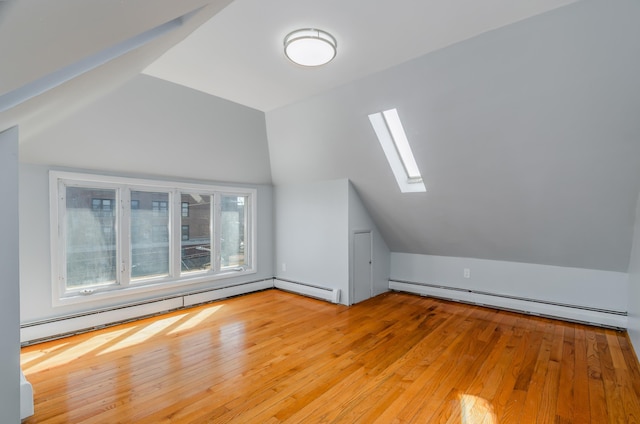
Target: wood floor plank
{"points": [[565, 399], [275, 357], [549, 397], [582, 399], [613, 396], [597, 399], [506, 402]]}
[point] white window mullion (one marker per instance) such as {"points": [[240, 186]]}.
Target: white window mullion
{"points": [[175, 235], [250, 232], [123, 226], [216, 231], [59, 245]]}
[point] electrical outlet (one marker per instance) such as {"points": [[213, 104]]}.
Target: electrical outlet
{"points": [[284, 267], [466, 273]]}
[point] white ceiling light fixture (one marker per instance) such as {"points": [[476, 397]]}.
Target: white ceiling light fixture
{"points": [[310, 47]]}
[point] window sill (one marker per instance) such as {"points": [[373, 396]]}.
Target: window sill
{"points": [[134, 290]]}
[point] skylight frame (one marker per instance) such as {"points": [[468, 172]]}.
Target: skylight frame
{"points": [[395, 144]]}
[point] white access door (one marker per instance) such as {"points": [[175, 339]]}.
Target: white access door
{"points": [[362, 283]]}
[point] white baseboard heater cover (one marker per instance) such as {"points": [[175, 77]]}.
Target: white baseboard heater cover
{"points": [[211, 295], [576, 313], [65, 326], [26, 397], [324, 293]]}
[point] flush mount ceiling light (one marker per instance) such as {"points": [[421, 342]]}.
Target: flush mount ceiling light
{"points": [[310, 47]]}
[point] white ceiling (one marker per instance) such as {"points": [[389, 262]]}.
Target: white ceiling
{"points": [[237, 55]]}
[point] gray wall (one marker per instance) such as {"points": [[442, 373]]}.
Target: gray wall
{"points": [[526, 136], [9, 279], [314, 225], [571, 286], [150, 126], [359, 220], [634, 287], [153, 129], [312, 234]]}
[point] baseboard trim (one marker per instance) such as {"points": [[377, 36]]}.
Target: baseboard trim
{"points": [[324, 293], [64, 326], [574, 313]]}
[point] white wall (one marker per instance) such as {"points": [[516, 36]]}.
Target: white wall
{"points": [[586, 288], [634, 287], [9, 279], [154, 127], [311, 233], [360, 220]]}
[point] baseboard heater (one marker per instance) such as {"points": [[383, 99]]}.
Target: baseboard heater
{"points": [[574, 313], [55, 328], [323, 293], [26, 397]]}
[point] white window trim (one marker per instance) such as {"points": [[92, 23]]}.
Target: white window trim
{"points": [[62, 297], [394, 143]]}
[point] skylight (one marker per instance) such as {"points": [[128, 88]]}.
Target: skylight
{"points": [[396, 148]]}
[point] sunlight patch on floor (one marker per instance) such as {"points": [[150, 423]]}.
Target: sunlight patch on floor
{"points": [[46, 358], [29, 359], [476, 410], [196, 319], [112, 340], [154, 329]]}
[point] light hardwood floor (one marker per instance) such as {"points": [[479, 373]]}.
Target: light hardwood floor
{"points": [[273, 357]]}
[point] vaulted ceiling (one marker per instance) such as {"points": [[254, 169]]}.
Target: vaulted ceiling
{"points": [[58, 56], [522, 115], [238, 54]]}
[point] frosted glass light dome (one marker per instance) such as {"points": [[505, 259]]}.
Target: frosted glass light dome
{"points": [[310, 47]]}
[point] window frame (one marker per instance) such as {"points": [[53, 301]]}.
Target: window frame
{"points": [[397, 149], [127, 285]]}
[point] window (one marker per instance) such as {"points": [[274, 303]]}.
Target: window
{"points": [[394, 142], [102, 207], [159, 207], [185, 232], [149, 235], [90, 242], [112, 234], [196, 248], [233, 231]]}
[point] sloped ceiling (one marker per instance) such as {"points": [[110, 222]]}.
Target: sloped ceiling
{"points": [[238, 54], [527, 137], [58, 56]]}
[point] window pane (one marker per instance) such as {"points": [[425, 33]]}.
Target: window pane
{"points": [[196, 249], [160, 207], [90, 237], [149, 234], [233, 231]]}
